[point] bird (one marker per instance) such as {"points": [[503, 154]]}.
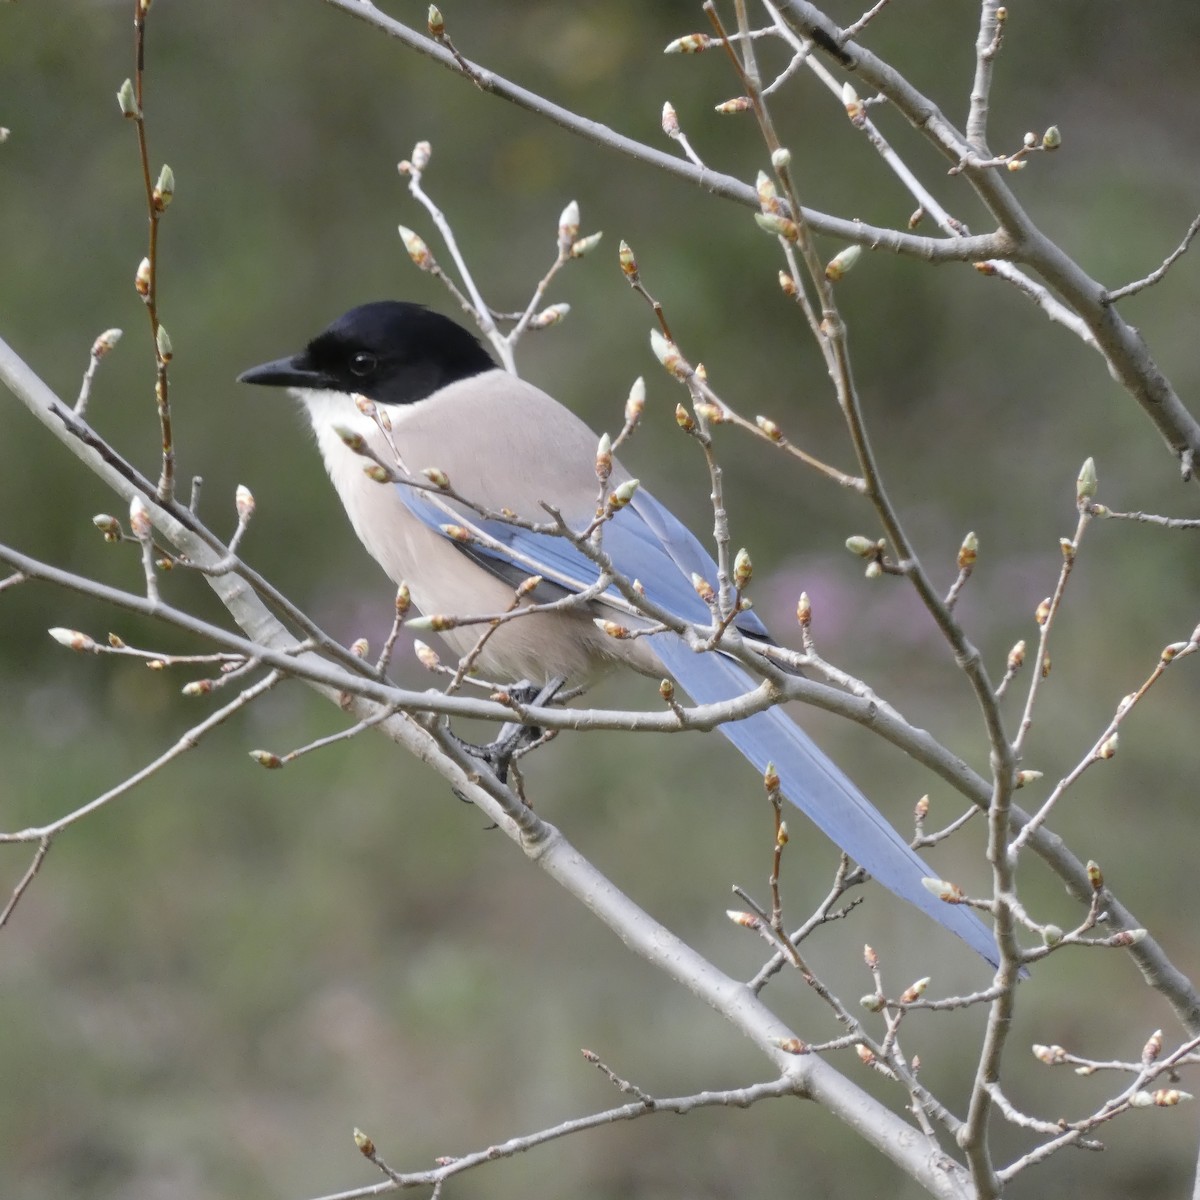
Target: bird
{"points": [[442, 406]]}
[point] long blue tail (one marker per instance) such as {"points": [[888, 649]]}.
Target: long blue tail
{"points": [[816, 786]]}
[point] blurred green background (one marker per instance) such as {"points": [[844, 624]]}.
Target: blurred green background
{"points": [[218, 976]]}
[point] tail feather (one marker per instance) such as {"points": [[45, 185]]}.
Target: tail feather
{"points": [[815, 785]]}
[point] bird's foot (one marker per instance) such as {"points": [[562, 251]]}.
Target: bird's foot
{"points": [[514, 737]]}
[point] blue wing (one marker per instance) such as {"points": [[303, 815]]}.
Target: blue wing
{"points": [[646, 542]]}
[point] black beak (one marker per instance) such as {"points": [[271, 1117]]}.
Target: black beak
{"points": [[296, 371]]}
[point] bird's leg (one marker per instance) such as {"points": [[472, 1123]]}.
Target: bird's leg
{"points": [[513, 735]]}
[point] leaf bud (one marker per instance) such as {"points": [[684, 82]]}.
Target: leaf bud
{"points": [[1016, 657], [437, 477], [421, 154], [666, 689], [670, 120], [944, 890], [1052, 138], [1109, 749], [73, 639], [915, 991], [427, 656], [804, 611], [568, 223], [164, 189], [109, 526], [773, 223], [742, 569], [418, 251], [771, 778], [864, 547], [690, 43], [611, 628], [1042, 613], [1051, 935], [855, 109], [780, 157], [1025, 778], [162, 340], [127, 100], [243, 501], [787, 284], [968, 552], [842, 262], [636, 402], [629, 267], [139, 519], [436, 25], [668, 354], [874, 569], [1095, 875], [1085, 484], [377, 472], [703, 588], [141, 279], [265, 758], [361, 1140], [872, 1002], [736, 105], [769, 428], [552, 314], [584, 245], [622, 494]]}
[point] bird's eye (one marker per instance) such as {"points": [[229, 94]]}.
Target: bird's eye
{"points": [[363, 363]]}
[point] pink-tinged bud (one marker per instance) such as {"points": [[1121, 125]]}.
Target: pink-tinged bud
{"points": [[769, 428], [787, 284], [1015, 164], [586, 244], [362, 1141], [139, 519], [670, 120], [1025, 778], [944, 890], [552, 314], [106, 343], [703, 589], [1042, 613], [365, 405], [73, 639], [403, 600], [921, 808], [666, 689], [164, 189], [568, 223], [855, 109], [629, 267], [197, 687], [792, 1045], [1153, 1047], [427, 656], [968, 552], [1016, 657], [141, 280], [1162, 1098], [421, 154], [611, 628], [127, 100], [109, 526], [668, 354], [243, 499], [1050, 1055], [604, 458], [804, 611], [458, 533], [736, 105], [265, 758], [915, 991], [418, 251], [1170, 652], [690, 43], [437, 477], [842, 263], [745, 919], [871, 958], [866, 1054], [683, 419], [742, 570], [1095, 875], [351, 439], [360, 648], [377, 472], [783, 227]]}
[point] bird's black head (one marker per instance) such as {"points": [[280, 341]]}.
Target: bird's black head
{"points": [[391, 351]]}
